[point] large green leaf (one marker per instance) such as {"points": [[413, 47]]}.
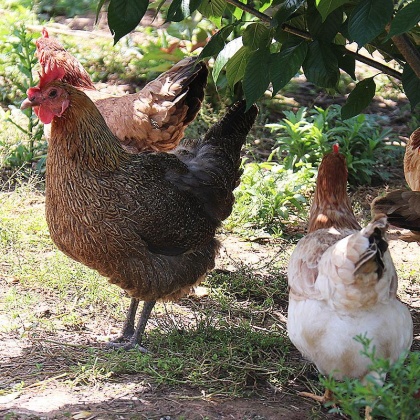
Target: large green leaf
{"points": [[124, 16], [325, 7], [285, 64], [181, 9], [345, 62], [360, 97], [411, 85], [256, 79], [212, 8], [217, 42], [256, 35], [323, 30], [235, 67], [405, 19], [321, 65], [286, 10], [228, 52], [369, 19]]}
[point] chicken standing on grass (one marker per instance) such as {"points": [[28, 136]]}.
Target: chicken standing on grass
{"points": [[342, 284], [153, 119], [402, 207], [146, 221]]}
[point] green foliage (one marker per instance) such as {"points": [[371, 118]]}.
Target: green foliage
{"points": [[19, 51], [394, 400], [254, 34], [270, 195], [67, 8], [309, 134]]}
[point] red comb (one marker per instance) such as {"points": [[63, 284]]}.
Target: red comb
{"points": [[44, 33], [336, 148], [50, 73]]}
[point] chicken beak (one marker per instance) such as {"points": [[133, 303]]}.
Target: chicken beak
{"points": [[27, 103]]}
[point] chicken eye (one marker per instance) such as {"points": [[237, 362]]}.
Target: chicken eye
{"points": [[52, 93]]}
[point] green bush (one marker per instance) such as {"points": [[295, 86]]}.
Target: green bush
{"points": [[394, 400], [271, 195], [305, 136]]}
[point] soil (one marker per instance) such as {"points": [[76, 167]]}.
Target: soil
{"points": [[47, 395]]}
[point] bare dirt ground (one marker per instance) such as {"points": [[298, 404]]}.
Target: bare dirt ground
{"points": [[42, 362]]}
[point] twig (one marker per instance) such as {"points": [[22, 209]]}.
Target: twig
{"points": [[408, 51]]}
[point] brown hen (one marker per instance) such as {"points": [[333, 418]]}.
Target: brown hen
{"points": [[152, 119], [146, 221]]}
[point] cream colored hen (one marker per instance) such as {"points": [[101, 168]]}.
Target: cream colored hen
{"points": [[343, 283]]}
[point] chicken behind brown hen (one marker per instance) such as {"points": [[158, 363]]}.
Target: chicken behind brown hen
{"points": [[146, 221], [153, 119]]}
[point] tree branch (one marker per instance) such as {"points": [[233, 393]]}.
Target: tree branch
{"points": [[306, 35], [408, 51]]}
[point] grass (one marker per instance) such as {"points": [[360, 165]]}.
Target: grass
{"points": [[226, 344]]}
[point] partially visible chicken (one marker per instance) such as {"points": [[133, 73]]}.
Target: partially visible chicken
{"points": [[146, 221], [402, 208], [342, 284], [152, 119], [412, 161], [331, 206]]}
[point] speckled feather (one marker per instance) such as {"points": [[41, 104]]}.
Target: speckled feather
{"points": [[146, 221]]}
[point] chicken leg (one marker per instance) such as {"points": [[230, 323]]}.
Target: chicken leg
{"points": [[131, 337], [328, 396]]}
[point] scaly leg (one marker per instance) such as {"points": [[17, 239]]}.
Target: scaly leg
{"points": [[134, 336], [128, 327]]}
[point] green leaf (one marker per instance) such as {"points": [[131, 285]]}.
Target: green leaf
{"points": [[321, 65], [405, 19], [228, 51], [235, 68], [181, 9], [369, 19], [360, 97], [345, 62], [325, 7], [286, 10], [212, 8], [323, 30], [285, 64], [217, 42], [256, 35], [411, 85], [256, 79], [124, 16]]}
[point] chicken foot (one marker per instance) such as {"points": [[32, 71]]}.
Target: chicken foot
{"points": [[328, 396], [131, 337]]}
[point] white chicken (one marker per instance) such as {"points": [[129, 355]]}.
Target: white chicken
{"points": [[343, 284]]}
